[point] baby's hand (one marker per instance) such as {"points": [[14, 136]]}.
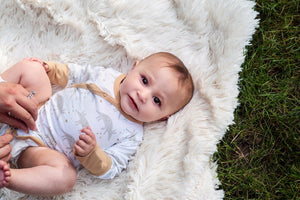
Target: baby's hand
{"points": [[86, 142]]}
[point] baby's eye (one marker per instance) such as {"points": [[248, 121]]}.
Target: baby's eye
{"points": [[156, 101], [144, 80]]}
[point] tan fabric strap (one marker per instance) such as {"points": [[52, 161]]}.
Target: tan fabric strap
{"points": [[58, 74], [34, 139], [97, 91]]}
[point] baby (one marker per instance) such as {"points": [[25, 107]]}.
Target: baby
{"points": [[96, 122]]}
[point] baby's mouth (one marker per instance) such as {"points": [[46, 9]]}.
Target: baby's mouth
{"points": [[133, 103]]}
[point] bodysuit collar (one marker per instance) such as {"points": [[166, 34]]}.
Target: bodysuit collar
{"points": [[117, 84]]}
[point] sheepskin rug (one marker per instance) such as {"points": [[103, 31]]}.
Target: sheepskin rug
{"points": [[175, 159]]}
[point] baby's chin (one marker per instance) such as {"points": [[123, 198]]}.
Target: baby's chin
{"points": [[128, 111], [135, 114]]}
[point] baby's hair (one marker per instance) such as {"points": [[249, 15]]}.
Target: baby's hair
{"points": [[185, 78]]}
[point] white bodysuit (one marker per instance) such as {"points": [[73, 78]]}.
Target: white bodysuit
{"points": [[71, 109]]}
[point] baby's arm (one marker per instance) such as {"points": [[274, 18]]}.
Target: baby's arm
{"points": [[109, 163], [58, 73], [68, 74], [90, 154]]}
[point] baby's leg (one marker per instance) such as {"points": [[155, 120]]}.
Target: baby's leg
{"points": [[32, 76], [43, 171], [4, 174]]}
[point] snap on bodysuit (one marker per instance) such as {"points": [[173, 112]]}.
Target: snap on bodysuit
{"points": [[62, 117]]}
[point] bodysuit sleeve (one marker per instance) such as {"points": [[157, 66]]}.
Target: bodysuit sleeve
{"points": [[58, 73], [111, 162], [68, 74], [120, 155], [97, 162]]}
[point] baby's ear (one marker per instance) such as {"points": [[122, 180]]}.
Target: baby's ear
{"points": [[135, 64]]}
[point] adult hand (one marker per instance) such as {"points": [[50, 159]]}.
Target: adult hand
{"points": [[16, 109], [5, 147]]}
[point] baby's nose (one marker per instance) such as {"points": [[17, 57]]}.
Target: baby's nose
{"points": [[143, 95]]}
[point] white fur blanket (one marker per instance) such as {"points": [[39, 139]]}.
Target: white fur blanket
{"points": [[174, 160]]}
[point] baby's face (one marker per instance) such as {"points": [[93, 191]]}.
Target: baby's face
{"points": [[150, 91]]}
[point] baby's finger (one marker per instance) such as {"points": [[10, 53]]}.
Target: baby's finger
{"points": [[82, 144], [85, 138], [78, 150], [88, 131]]}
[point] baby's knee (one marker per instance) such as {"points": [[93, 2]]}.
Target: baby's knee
{"points": [[27, 63], [34, 77], [68, 179], [31, 71], [35, 66]]}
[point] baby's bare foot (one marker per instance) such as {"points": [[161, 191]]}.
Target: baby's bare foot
{"points": [[4, 174]]}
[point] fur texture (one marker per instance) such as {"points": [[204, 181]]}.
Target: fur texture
{"points": [[174, 161]]}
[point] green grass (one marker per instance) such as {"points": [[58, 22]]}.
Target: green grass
{"points": [[259, 156]]}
